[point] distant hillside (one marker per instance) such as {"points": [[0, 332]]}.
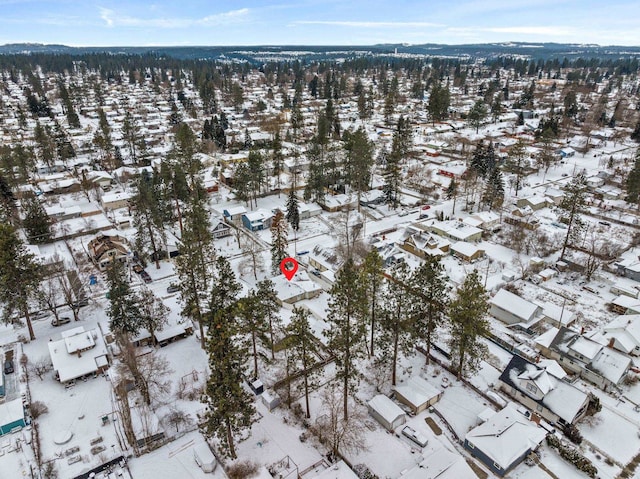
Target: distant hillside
{"points": [[259, 53]]}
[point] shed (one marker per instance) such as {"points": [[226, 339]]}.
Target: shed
{"points": [[11, 416], [386, 412], [466, 251], [270, 399], [418, 394], [511, 308]]}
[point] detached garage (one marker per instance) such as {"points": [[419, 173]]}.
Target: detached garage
{"points": [[386, 412], [418, 394]]}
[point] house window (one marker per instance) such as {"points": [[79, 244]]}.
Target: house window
{"points": [[539, 407], [497, 467], [471, 446], [532, 388]]}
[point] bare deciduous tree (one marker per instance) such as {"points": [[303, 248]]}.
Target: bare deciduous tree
{"points": [[40, 366], [340, 435]]}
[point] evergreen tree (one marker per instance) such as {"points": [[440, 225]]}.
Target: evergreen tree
{"points": [[20, 277], [255, 163], [242, 183], [429, 304], [192, 265], [279, 241], [230, 410], [124, 314], [439, 99], [395, 323], [347, 308], [392, 175], [468, 323], [372, 282], [225, 289], [277, 159], [153, 312], [494, 189], [633, 181], [452, 193], [358, 161], [302, 344], [36, 222], [268, 305], [252, 322], [477, 114], [517, 156], [293, 210], [571, 207], [149, 217]]}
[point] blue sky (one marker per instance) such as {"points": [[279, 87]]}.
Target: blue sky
{"points": [[317, 22]]}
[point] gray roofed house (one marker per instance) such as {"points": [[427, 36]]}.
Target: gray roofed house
{"points": [[504, 440], [512, 309], [535, 387]]}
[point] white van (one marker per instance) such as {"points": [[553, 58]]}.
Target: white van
{"points": [[204, 457]]}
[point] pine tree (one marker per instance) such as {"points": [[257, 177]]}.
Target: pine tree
{"points": [[468, 323], [358, 161], [124, 314], [148, 217], [153, 312], [36, 222], [372, 282], [452, 193], [193, 263], [225, 288], [20, 277], [494, 189], [392, 175], [252, 322], [396, 320], [293, 210], [230, 409], [302, 344], [571, 207], [267, 303], [439, 99], [633, 181], [477, 114], [347, 309], [430, 290], [279, 241]]}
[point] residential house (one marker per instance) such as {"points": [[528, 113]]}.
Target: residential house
{"points": [[234, 214], [534, 202], [79, 353], [504, 440], [440, 463], [581, 355], [513, 310], [566, 152], [300, 287], [221, 230], [105, 249], [341, 202], [386, 412], [623, 334], [417, 394], [113, 201], [523, 217], [485, 220], [466, 251], [535, 387], [339, 470], [629, 268], [625, 304], [421, 243], [257, 220], [454, 230]]}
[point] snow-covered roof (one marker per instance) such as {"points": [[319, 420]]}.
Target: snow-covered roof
{"points": [[586, 347], [386, 408], [506, 437], [515, 305], [611, 364], [440, 463], [77, 363], [339, 470], [417, 391], [464, 248], [11, 411]]}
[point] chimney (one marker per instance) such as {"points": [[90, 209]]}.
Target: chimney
{"points": [[611, 341]]}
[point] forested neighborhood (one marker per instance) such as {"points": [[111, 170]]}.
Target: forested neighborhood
{"points": [[466, 231]]}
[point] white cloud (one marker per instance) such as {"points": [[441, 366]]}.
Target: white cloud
{"points": [[112, 19], [367, 24]]}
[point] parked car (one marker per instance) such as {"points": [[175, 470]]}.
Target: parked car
{"points": [[81, 303], [173, 288], [145, 276], [60, 321], [420, 439], [8, 366], [39, 315]]}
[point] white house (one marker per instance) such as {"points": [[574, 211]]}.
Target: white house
{"points": [[512, 309], [79, 353], [623, 334]]}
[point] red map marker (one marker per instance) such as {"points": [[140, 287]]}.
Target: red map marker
{"points": [[288, 266]]}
